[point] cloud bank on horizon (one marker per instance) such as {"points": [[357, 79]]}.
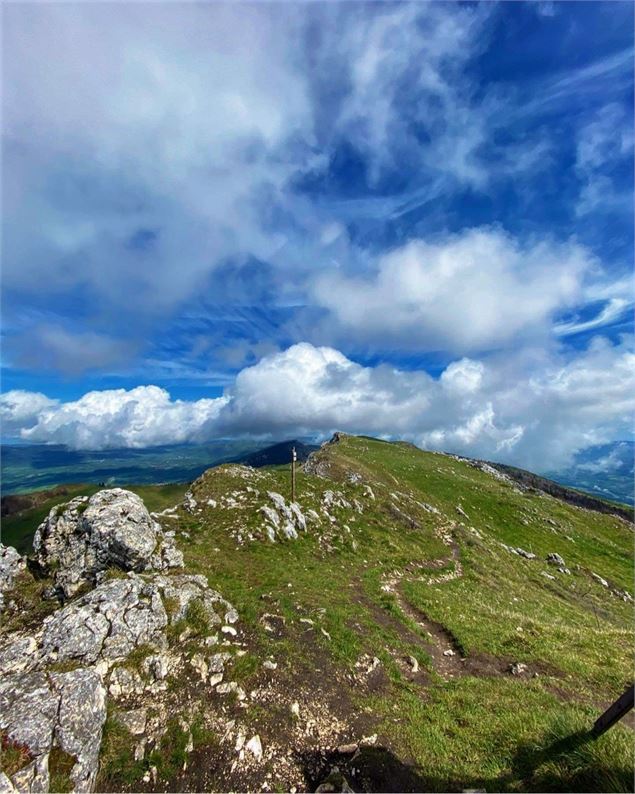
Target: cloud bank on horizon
{"points": [[413, 220], [534, 413]]}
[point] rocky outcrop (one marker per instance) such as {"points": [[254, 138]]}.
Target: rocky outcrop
{"points": [[65, 710], [11, 565], [85, 537], [106, 624], [185, 589], [102, 627], [282, 519], [44, 705], [555, 559]]}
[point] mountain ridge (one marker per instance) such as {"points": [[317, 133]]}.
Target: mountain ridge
{"points": [[410, 618]]}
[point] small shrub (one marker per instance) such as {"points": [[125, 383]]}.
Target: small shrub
{"points": [[14, 755], [197, 618]]}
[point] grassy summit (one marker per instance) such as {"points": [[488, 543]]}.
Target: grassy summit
{"points": [[394, 622]]}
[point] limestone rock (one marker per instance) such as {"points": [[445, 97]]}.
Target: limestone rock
{"points": [[28, 710], [19, 653], [599, 579], [6, 786], [216, 662], [134, 720], [11, 565], [124, 683], [254, 746], [282, 519], [81, 717], [113, 528], [462, 512], [183, 589], [189, 502], [107, 623], [556, 559], [156, 666], [335, 499], [34, 777], [65, 710]]}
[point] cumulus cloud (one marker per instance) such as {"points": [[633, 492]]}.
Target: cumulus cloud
{"points": [[539, 416], [20, 409], [117, 418], [476, 290]]}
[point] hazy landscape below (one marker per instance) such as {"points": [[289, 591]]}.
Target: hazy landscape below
{"points": [[28, 467], [605, 471]]}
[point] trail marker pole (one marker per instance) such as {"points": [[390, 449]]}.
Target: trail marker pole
{"points": [[294, 457], [615, 712]]}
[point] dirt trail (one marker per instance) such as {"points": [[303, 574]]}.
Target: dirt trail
{"points": [[448, 657]]}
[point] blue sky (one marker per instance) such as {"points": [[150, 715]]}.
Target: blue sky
{"points": [[407, 219]]}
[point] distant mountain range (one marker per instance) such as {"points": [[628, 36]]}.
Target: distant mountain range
{"points": [[278, 454], [605, 471]]}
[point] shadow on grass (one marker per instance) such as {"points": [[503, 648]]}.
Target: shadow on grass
{"points": [[570, 763]]}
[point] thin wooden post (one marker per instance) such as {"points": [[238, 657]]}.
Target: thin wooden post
{"points": [[293, 460], [615, 712]]}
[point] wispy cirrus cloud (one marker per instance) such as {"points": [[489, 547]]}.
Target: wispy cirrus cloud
{"points": [[189, 190]]}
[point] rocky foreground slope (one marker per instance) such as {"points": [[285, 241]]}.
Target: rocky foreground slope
{"points": [[411, 622]]}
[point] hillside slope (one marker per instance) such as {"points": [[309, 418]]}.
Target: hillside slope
{"points": [[401, 628]]}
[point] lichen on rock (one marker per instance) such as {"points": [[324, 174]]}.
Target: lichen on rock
{"points": [[65, 710], [85, 537], [12, 564]]}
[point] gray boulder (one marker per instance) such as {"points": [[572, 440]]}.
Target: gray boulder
{"points": [[113, 528], [556, 559], [107, 623], [184, 589], [11, 565], [18, 653], [65, 710]]}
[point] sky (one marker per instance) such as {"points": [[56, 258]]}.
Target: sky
{"points": [[285, 219]]}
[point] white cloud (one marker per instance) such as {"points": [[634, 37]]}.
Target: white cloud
{"points": [[160, 117], [142, 417], [527, 409], [603, 144], [612, 311], [463, 377], [193, 124], [19, 409], [476, 290], [47, 346]]}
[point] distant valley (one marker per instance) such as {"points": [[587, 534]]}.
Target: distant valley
{"points": [[604, 471]]}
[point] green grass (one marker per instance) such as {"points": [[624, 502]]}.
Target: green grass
{"points": [[474, 730], [60, 767], [31, 607], [512, 736], [118, 769], [495, 732], [170, 757]]}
